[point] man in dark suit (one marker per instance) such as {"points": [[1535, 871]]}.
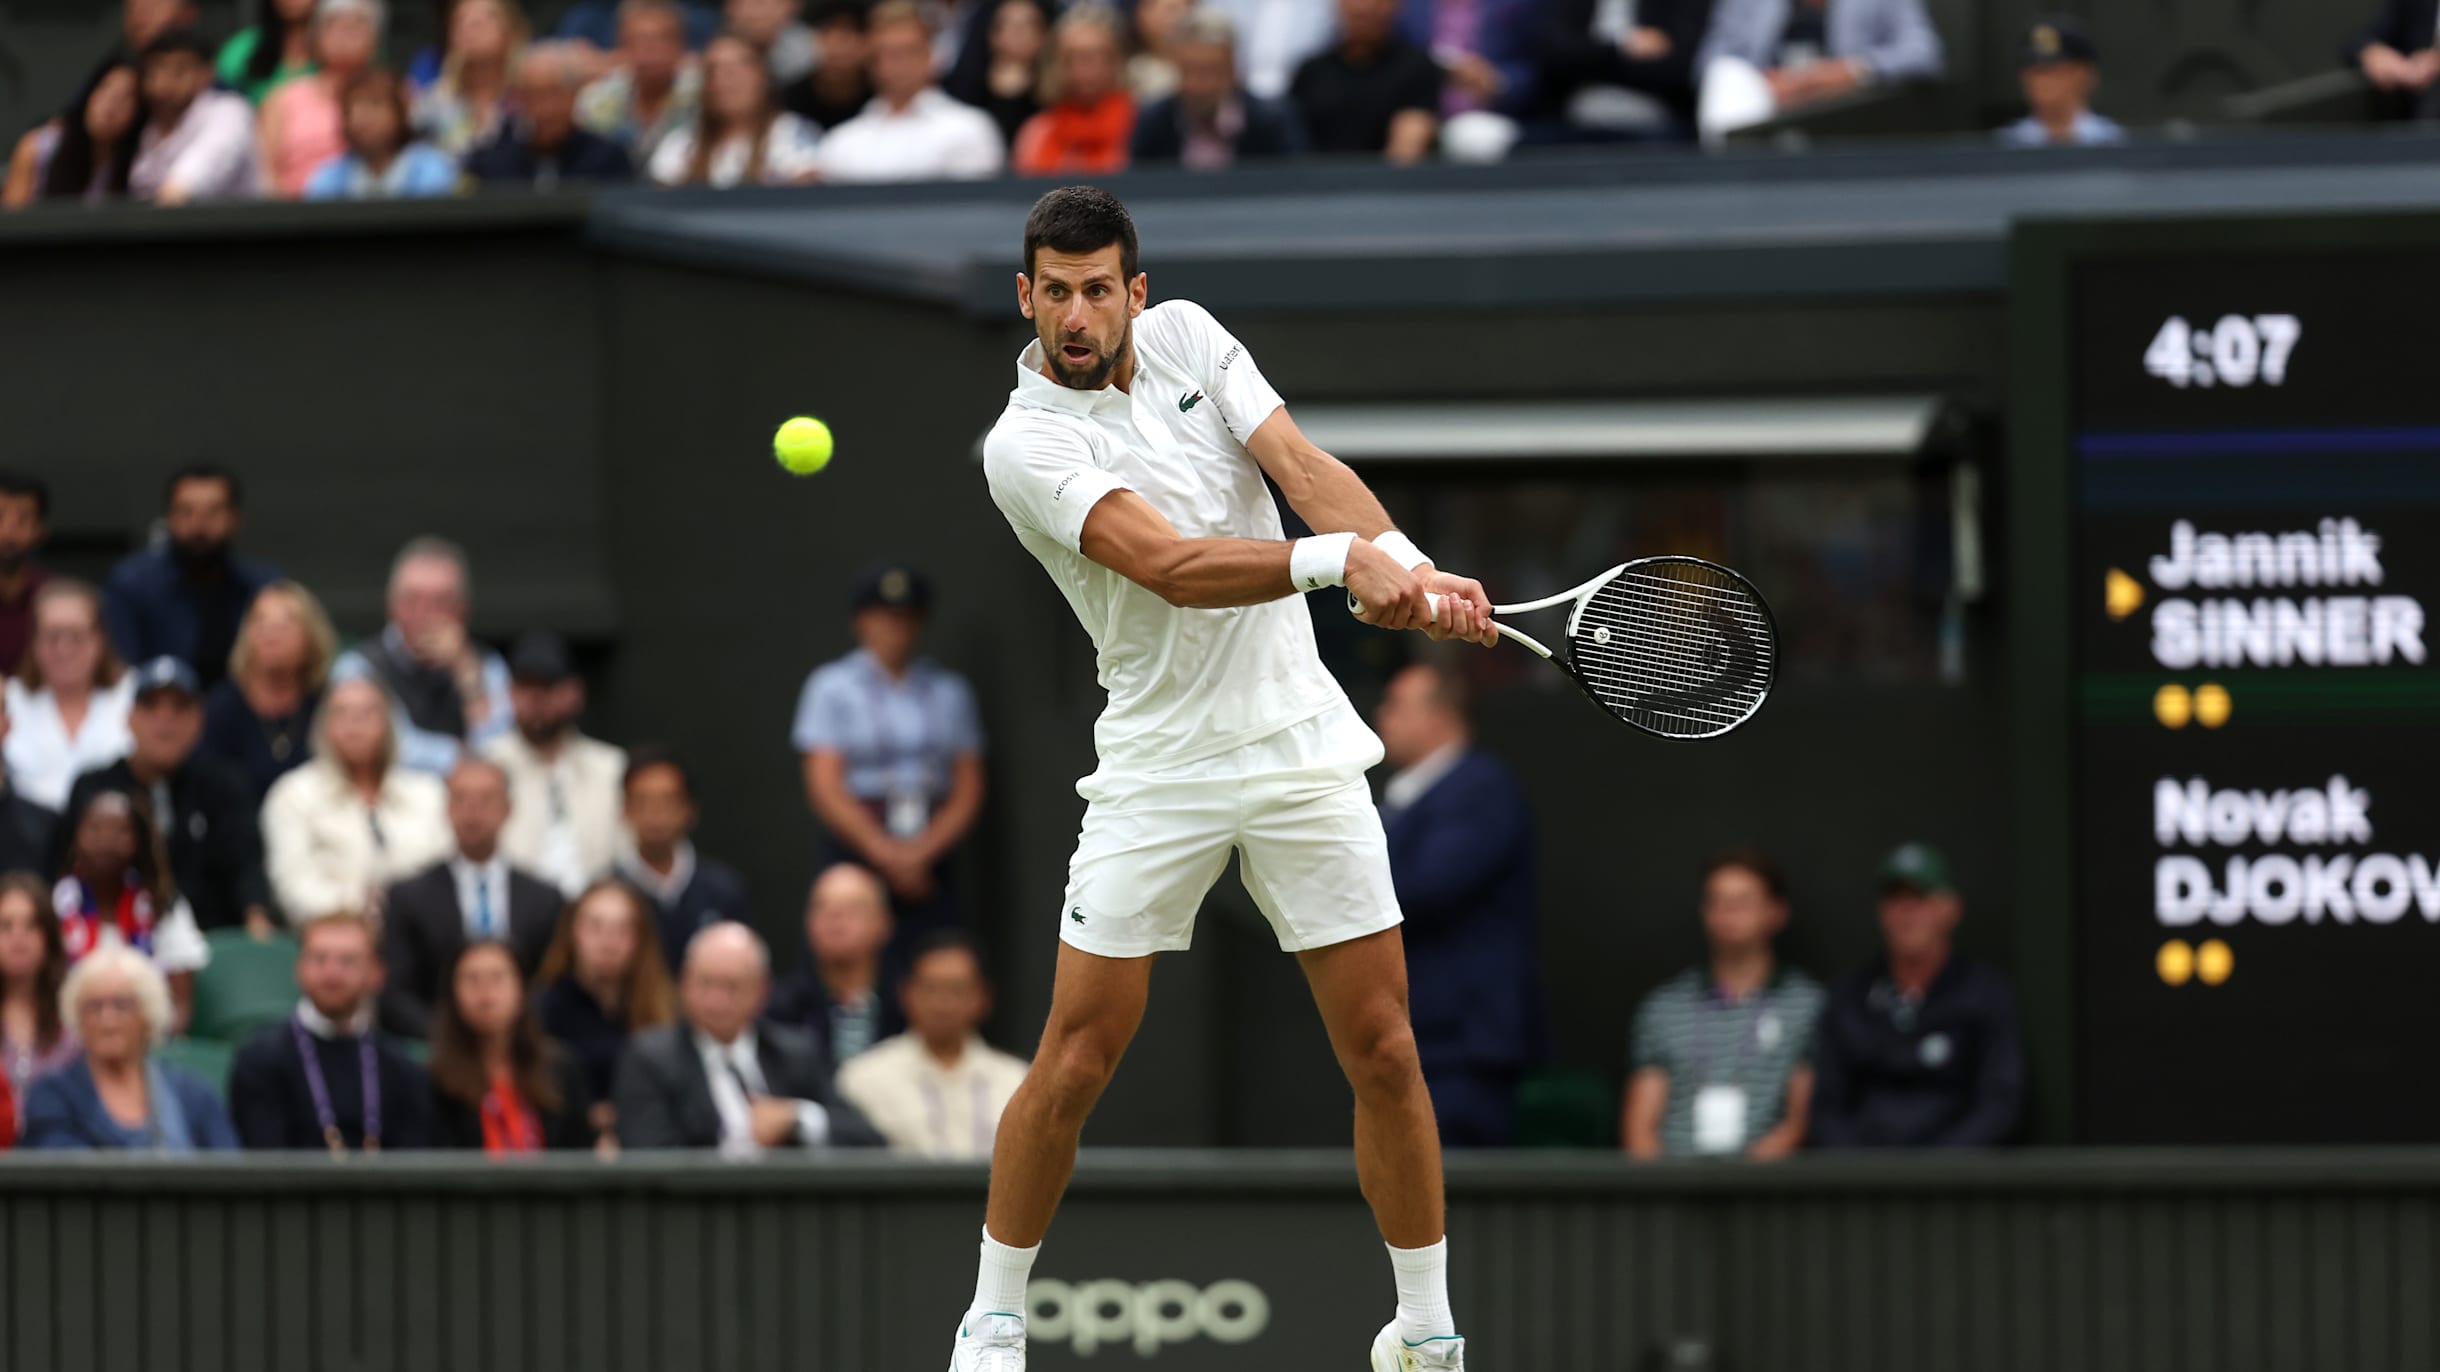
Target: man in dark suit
{"points": [[689, 891], [1212, 123], [1619, 68], [2396, 52], [1461, 851], [26, 829], [717, 1080], [841, 996], [326, 1078], [430, 917]]}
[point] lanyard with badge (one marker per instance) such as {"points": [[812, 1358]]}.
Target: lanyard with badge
{"points": [[906, 811], [328, 1117], [1720, 1116]]}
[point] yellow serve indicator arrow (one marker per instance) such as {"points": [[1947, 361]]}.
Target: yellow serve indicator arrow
{"points": [[2121, 595]]}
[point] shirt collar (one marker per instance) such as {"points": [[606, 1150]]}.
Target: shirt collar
{"points": [[321, 1026], [714, 1048], [466, 869], [664, 888], [1041, 393], [1413, 784]]}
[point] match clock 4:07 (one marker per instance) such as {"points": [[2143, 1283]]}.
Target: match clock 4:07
{"points": [[2239, 350]]}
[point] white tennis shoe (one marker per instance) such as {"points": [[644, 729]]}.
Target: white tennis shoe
{"points": [[1390, 1353], [990, 1343]]}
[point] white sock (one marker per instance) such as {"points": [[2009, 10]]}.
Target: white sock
{"points": [[1423, 1292], [999, 1287]]}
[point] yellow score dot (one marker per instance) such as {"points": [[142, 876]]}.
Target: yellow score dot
{"points": [[2175, 962], [2213, 962], [2211, 705], [2172, 706]]}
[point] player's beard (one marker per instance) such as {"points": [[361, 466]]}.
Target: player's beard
{"points": [[1093, 375]]}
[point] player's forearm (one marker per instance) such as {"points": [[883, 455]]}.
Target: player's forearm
{"points": [[1220, 573]]}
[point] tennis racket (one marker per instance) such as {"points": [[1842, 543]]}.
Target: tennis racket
{"points": [[1674, 646]]}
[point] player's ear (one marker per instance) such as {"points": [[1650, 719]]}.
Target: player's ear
{"points": [[1025, 296], [1137, 290]]}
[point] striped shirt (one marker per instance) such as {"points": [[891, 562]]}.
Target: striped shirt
{"points": [[1687, 1029]]}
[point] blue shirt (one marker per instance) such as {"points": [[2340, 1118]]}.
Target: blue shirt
{"points": [[899, 737], [419, 170], [422, 749], [2089, 131]]}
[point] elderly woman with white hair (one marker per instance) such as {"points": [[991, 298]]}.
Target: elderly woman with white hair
{"points": [[114, 1095], [340, 829]]}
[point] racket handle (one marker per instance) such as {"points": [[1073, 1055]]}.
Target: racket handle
{"points": [[1431, 598]]}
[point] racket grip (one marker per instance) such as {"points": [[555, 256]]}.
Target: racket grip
{"points": [[1431, 598]]}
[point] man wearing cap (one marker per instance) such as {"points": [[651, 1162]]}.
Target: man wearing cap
{"points": [[893, 750], [2059, 67], [185, 596], [202, 809], [1922, 1049], [563, 786]]}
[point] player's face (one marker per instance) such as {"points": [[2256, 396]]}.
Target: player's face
{"points": [[1084, 311], [1738, 910]]}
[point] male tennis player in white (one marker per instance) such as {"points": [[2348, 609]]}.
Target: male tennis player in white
{"points": [[1130, 461]]}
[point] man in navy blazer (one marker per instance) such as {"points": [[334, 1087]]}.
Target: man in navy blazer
{"points": [[1462, 853]]}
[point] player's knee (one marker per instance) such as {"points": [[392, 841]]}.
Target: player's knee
{"points": [[1382, 1061], [1078, 1067]]}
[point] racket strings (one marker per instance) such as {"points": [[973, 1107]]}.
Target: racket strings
{"points": [[1682, 648]]}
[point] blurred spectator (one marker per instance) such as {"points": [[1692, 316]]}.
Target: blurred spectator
{"points": [[2396, 54], [714, 1079], [113, 889], [25, 511], [469, 103], [326, 1078], [687, 889], [1152, 72], [339, 830], [302, 124], [197, 143], [1921, 1050], [1085, 130], [1461, 851], [1719, 1053], [497, 1083], [1620, 68], [2059, 68], [542, 147], [601, 25], [893, 749], [839, 998], [27, 830], [260, 717], [8, 1115], [564, 788], [67, 704], [267, 54], [1212, 123], [740, 136], [1372, 91], [910, 131], [472, 896], [87, 152], [33, 966], [1807, 51], [451, 690], [203, 811], [1274, 38], [1005, 76], [779, 29], [937, 1090], [1487, 71], [835, 88], [653, 91], [141, 21], [383, 160], [113, 1095], [603, 981], [185, 596]]}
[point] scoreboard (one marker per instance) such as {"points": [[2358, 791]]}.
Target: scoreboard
{"points": [[2251, 438]]}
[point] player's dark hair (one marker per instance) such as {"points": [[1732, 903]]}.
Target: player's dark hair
{"points": [[945, 941], [203, 471], [1078, 220], [645, 757], [1752, 860], [20, 486]]}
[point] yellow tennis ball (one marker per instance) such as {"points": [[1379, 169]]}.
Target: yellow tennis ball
{"points": [[802, 445]]}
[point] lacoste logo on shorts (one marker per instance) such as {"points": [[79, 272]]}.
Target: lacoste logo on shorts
{"points": [[1077, 914]]}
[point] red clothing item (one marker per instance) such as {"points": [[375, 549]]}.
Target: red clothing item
{"points": [[1070, 138], [509, 1124], [8, 1113]]}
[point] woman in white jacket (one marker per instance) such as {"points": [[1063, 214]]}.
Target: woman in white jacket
{"points": [[340, 829], [67, 705]]}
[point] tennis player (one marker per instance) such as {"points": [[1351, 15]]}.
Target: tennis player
{"points": [[1130, 461]]}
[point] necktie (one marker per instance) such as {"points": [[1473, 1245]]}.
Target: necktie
{"points": [[482, 905]]}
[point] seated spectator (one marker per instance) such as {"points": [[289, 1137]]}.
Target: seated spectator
{"points": [[1152, 70], [472, 896], [1619, 69], [1274, 38], [1921, 1050], [715, 1080], [910, 131], [2059, 69], [204, 813], [468, 104], [340, 830], [777, 27], [197, 143], [302, 125], [25, 508], [840, 998], [688, 890], [112, 1095], [1004, 78], [1371, 91], [740, 136], [1487, 71], [67, 705], [451, 690], [892, 750], [497, 1083], [563, 788], [112, 890], [2397, 55], [653, 91], [33, 966], [836, 87], [601, 25], [259, 719], [27, 830], [1719, 1054], [602, 982], [327, 1078], [1807, 51], [83, 155], [937, 1090], [185, 596], [266, 55], [1091, 117], [1212, 123], [383, 161], [542, 147]]}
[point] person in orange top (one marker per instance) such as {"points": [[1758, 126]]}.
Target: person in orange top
{"points": [[300, 125], [1088, 128]]}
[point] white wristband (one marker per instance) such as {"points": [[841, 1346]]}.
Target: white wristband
{"points": [[1402, 548], [1319, 561]]}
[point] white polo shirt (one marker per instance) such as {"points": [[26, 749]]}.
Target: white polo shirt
{"points": [[1184, 684], [934, 138]]}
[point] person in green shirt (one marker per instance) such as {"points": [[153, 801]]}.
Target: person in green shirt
{"points": [[260, 58]]}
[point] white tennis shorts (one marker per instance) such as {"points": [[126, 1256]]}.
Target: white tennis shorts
{"points": [[1293, 805]]}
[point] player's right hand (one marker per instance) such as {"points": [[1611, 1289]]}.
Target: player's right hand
{"points": [[1392, 596]]}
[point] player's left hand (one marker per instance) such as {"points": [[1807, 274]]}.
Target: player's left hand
{"points": [[1465, 609]]}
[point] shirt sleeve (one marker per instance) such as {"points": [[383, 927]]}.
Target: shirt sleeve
{"points": [[1648, 1046], [1420, 88], [818, 724], [1042, 477], [961, 724], [1227, 371]]}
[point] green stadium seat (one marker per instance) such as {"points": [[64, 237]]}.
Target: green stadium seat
{"points": [[1566, 1107], [206, 1058], [249, 983]]}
